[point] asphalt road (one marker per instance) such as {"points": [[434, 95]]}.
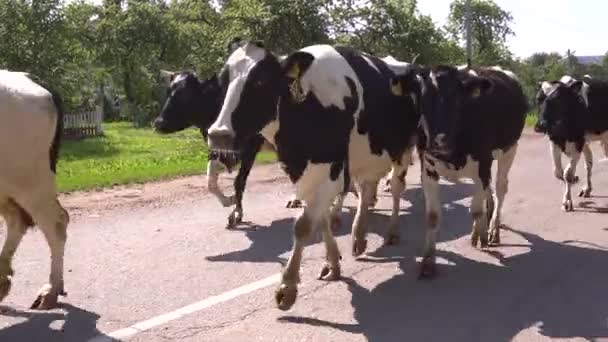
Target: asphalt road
{"points": [[155, 263]]}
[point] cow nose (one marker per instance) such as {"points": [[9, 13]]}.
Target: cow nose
{"points": [[158, 123]]}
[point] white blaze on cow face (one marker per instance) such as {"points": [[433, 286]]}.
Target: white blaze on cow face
{"points": [[239, 64]]}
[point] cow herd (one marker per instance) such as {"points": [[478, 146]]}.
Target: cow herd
{"points": [[340, 120]]}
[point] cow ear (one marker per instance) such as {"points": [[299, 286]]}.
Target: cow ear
{"points": [[576, 86], [477, 86], [167, 76], [405, 84], [296, 64], [234, 44]]}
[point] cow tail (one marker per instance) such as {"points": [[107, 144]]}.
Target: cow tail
{"points": [[346, 176], [56, 144]]}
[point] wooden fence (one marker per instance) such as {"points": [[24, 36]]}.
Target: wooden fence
{"points": [[83, 125]]}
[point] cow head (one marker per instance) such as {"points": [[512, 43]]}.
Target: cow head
{"points": [[406, 88], [251, 79], [558, 102], [190, 102], [447, 94]]}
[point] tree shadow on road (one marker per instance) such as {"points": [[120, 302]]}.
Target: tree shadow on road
{"points": [[77, 325], [555, 289]]}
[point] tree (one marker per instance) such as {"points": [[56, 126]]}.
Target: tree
{"points": [[490, 27], [391, 27]]}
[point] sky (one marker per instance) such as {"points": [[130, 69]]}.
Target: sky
{"points": [[546, 25]]}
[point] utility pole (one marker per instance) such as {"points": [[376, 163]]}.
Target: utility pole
{"points": [[467, 24]]}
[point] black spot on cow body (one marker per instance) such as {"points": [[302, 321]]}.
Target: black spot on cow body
{"points": [[263, 86], [481, 114], [597, 95], [310, 132], [389, 121]]}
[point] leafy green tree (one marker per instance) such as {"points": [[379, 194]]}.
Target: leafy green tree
{"points": [[490, 28]]}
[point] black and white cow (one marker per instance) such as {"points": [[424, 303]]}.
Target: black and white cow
{"points": [[331, 114], [30, 136], [573, 113], [195, 102], [470, 117]]}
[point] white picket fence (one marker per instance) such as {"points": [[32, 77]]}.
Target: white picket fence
{"points": [[83, 125]]}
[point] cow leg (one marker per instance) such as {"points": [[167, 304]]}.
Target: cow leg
{"points": [[480, 219], [314, 214], [387, 182], [359, 229], [502, 187], [430, 186], [331, 270], [52, 219], [335, 214], [570, 178], [214, 168], [586, 191], [16, 227], [374, 199], [556, 156], [397, 182], [248, 153]]}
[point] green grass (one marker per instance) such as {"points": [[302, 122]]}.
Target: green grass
{"points": [[132, 155], [531, 119]]}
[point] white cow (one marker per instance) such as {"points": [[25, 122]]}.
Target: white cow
{"points": [[29, 143]]}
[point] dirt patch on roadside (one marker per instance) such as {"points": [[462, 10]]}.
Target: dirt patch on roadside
{"points": [[161, 193]]}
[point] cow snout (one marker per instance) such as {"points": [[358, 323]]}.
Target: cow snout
{"points": [[158, 124]]}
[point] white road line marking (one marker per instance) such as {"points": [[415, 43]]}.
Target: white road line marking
{"points": [[137, 328]]}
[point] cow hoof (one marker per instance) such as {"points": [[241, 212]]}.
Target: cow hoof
{"points": [[391, 239], [495, 237], [329, 273], [235, 218], [5, 286], [47, 298], [359, 247], [568, 206], [293, 204], [585, 193], [428, 269], [285, 296]]}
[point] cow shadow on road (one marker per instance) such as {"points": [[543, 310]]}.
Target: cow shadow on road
{"points": [[73, 324], [557, 290], [268, 243]]}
